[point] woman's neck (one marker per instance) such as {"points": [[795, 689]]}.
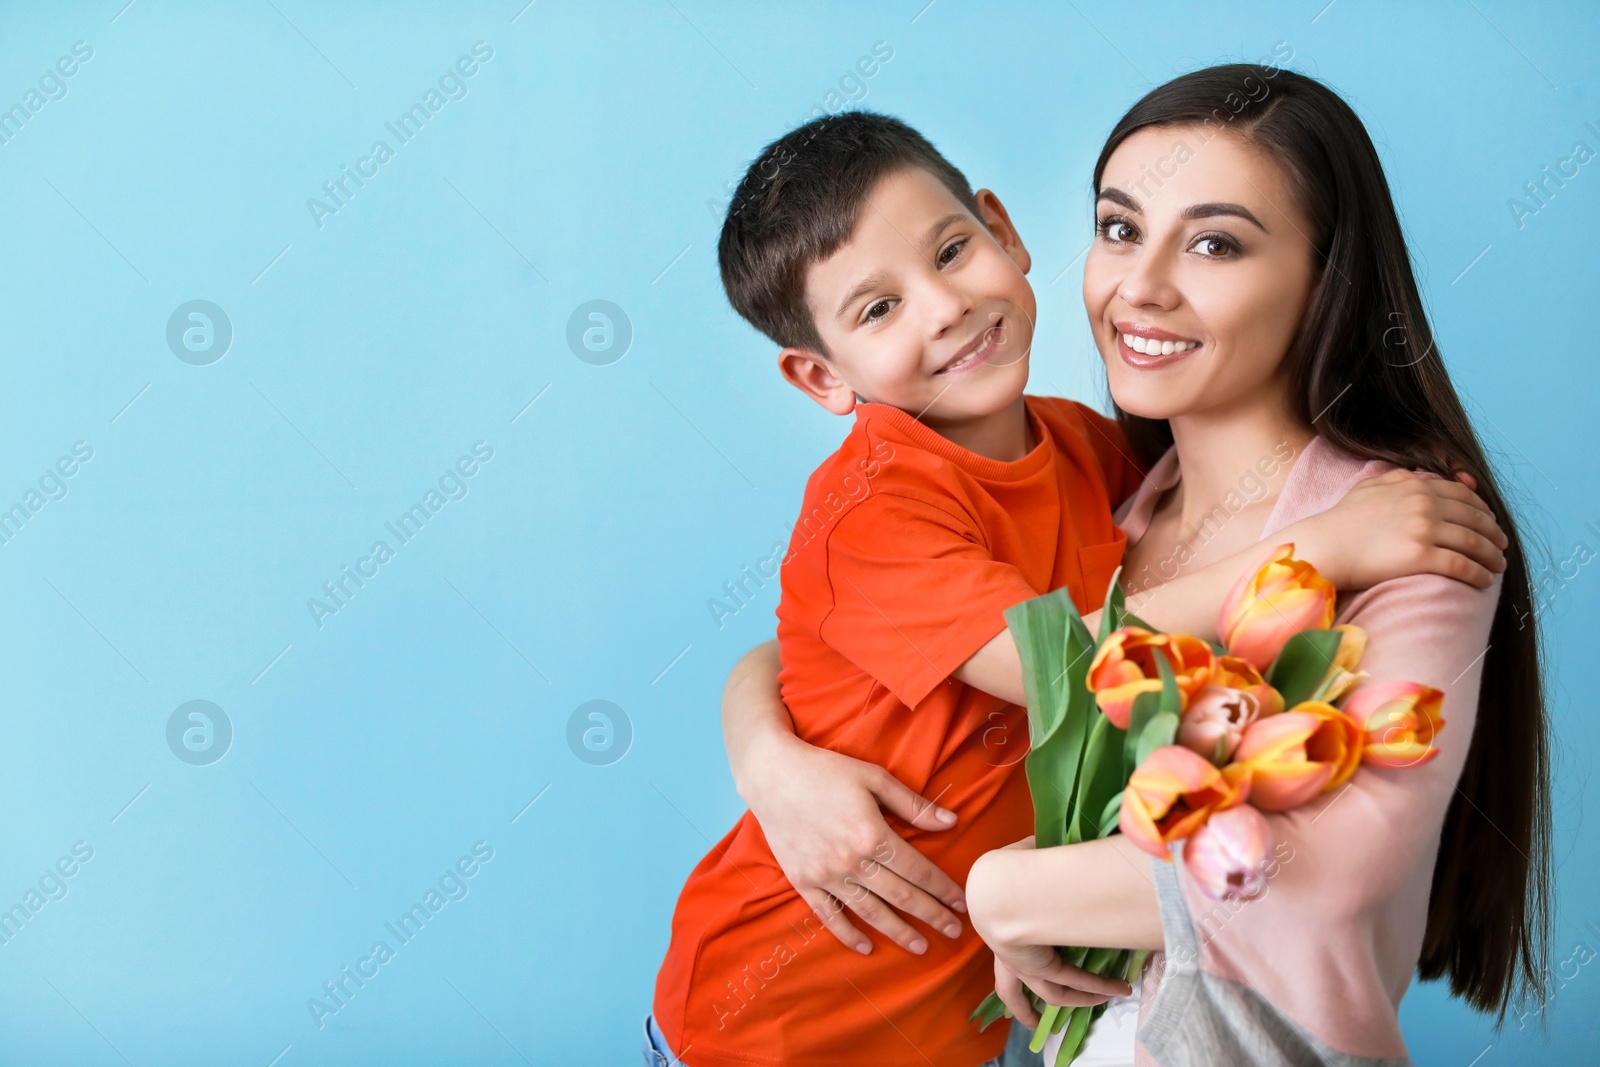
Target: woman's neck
{"points": [[1245, 449]]}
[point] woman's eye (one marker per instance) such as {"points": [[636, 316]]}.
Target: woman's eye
{"points": [[1117, 231], [951, 253], [1213, 247]]}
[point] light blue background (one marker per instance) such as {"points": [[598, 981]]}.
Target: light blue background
{"points": [[589, 160]]}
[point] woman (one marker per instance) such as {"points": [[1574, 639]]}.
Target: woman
{"points": [[1244, 208]]}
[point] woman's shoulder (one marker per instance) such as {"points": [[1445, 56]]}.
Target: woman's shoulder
{"points": [[1322, 474], [1422, 603]]}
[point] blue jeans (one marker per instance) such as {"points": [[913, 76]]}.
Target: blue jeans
{"points": [[656, 1053]]}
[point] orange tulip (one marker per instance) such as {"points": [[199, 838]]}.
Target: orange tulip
{"points": [[1234, 673], [1400, 720], [1352, 646], [1265, 609], [1172, 793], [1339, 741], [1125, 666], [1343, 676], [1296, 755]]}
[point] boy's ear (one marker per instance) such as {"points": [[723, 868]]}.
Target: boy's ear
{"points": [[812, 375], [1005, 234]]}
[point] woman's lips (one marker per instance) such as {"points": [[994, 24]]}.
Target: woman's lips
{"points": [[989, 342], [1153, 357]]}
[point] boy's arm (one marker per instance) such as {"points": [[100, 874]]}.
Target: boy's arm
{"points": [[822, 815], [1392, 526]]}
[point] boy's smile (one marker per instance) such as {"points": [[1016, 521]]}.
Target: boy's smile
{"points": [[926, 308]]}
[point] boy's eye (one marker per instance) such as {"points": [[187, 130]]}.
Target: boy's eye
{"points": [[877, 310], [951, 252], [1213, 246], [1117, 230]]}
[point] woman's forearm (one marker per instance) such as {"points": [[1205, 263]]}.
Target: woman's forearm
{"points": [[753, 713], [1098, 894]]}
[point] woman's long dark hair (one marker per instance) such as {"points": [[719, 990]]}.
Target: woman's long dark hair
{"points": [[1364, 372]]}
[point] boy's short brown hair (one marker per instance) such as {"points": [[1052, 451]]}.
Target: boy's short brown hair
{"points": [[799, 202]]}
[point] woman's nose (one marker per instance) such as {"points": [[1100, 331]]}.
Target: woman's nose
{"points": [[1148, 282]]}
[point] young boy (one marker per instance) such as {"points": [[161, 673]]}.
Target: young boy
{"points": [[899, 295]]}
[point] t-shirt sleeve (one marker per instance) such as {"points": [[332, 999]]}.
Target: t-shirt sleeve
{"points": [[1122, 470], [915, 593]]}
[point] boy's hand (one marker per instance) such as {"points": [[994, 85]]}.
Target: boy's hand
{"points": [[1403, 523], [820, 812]]}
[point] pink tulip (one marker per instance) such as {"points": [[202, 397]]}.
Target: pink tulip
{"points": [[1216, 720], [1227, 856], [1400, 720]]}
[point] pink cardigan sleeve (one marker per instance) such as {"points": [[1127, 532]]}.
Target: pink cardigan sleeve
{"points": [[1334, 939]]}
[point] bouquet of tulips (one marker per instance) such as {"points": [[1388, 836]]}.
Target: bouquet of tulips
{"points": [[1166, 737]]}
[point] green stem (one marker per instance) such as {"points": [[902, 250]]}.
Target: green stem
{"points": [[1077, 1030], [1047, 1018]]}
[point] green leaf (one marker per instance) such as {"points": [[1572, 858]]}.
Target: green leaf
{"points": [[1145, 706], [1130, 619], [1094, 756], [1305, 658], [986, 1013], [1157, 733], [1111, 615], [1039, 627], [1110, 815], [1055, 647], [1102, 779], [1171, 699]]}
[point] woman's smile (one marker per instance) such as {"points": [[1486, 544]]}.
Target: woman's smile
{"points": [[1150, 347]]}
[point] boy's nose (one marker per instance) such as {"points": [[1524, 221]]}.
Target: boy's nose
{"points": [[949, 306]]}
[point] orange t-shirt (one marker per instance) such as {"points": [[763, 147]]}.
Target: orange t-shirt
{"points": [[907, 551]]}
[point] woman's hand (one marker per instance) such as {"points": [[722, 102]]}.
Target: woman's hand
{"points": [[1019, 962], [1403, 523], [1041, 969], [822, 816]]}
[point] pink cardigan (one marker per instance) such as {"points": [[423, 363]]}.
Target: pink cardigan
{"points": [[1333, 942]]}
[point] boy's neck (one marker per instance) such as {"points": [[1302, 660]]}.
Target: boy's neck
{"points": [[1005, 435]]}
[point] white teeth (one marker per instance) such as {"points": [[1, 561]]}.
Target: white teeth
{"points": [[1152, 347]]}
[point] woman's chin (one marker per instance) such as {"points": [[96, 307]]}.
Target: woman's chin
{"points": [[1140, 402]]}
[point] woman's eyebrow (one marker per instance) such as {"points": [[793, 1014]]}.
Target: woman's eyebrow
{"points": [[1117, 196], [1207, 211]]}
